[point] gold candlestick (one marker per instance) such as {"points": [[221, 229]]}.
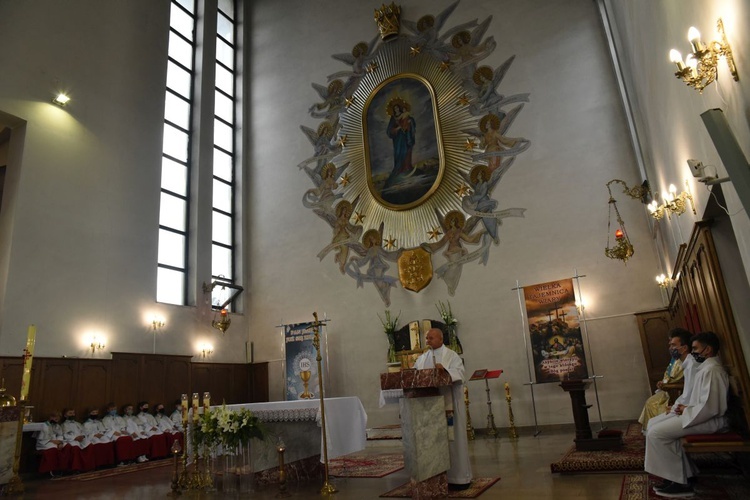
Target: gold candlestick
{"points": [[175, 486], [469, 428], [512, 430], [327, 488], [282, 472], [491, 429]]}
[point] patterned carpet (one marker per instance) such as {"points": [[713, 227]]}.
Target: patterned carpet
{"points": [[362, 465], [478, 486], [709, 487], [627, 459]]}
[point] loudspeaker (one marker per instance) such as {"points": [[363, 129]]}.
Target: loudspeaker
{"points": [[731, 154]]}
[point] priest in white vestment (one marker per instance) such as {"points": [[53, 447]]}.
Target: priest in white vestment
{"points": [[703, 413], [439, 356]]}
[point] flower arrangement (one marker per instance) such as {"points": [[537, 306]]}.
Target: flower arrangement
{"points": [[450, 322], [389, 327], [229, 428]]}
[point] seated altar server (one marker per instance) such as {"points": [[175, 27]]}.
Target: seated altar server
{"points": [[125, 450], [100, 438], [82, 453], [439, 356], [703, 413], [167, 426], [150, 428], [679, 350], [49, 442]]}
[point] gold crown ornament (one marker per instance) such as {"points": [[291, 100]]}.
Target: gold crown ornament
{"points": [[388, 19]]}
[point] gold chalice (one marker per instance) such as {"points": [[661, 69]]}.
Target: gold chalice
{"points": [[305, 376]]}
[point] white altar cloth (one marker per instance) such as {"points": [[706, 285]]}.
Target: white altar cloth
{"points": [[346, 420]]}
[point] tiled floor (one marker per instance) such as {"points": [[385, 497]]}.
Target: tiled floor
{"points": [[522, 464]]}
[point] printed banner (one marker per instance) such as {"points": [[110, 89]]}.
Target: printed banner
{"points": [[301, 366], [555, 331]]}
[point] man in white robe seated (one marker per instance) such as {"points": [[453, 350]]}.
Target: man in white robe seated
{"points": [[140, 438], [176, 416], [439, 356], [679, 351], [703, 413]]}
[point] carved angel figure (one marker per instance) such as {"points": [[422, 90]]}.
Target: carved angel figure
{"points": [[322, 196], [344, 233], [485, 82], [492, 137], [324, 148], [361, 55], [468, 48], [426, 32], [373, 258]]}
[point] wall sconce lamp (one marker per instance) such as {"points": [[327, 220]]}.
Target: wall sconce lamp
{"points": [[157, 324], [699, 69], [223, 322], [664, 281], [206, 350], [97, 344], [61, 99], [673, 203]]}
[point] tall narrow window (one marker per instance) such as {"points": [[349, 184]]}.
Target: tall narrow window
{"points": [[225, 109], [172, 271]]}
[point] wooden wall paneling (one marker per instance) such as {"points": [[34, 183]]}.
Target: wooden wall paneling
{"points": [[93, 390], [259, 383], [176, 380], [12, 372], [199, 380], [151, 383], [219, 383], [126, 369], [59, 383], [654, 327], [241, 383]]}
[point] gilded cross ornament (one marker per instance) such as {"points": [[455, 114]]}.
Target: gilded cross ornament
{"points": [[402, 179]]}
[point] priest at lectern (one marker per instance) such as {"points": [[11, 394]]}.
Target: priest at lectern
{"points": [[439, 356]]}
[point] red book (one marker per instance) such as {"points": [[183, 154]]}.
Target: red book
{"points": [[493, 374]]}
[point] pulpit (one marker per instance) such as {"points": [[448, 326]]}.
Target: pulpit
{"points": [[606, 440], [424, 428]]}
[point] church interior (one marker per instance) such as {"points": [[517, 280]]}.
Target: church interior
{"points": [[208, 189]]}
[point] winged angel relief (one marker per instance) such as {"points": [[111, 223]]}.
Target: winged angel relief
{"points": [[413, 140]]}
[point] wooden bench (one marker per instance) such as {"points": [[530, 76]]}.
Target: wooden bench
{"points": [[729, 442]]}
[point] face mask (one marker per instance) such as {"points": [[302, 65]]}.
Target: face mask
{"points": [[94, 416], [129, 411], [70, 417], [144, 409], [674, 353], [160, 410], [698, 357], [112, 413]]}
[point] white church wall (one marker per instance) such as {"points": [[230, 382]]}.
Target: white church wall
{"points": [[669, 111], [86, 210], [579, 142]]}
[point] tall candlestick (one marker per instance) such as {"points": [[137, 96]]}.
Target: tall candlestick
{"points": [[195, 407], [206, 400], [28, 355], [184, 401]]}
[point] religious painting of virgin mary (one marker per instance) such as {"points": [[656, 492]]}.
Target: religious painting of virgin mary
{"points": [[403, 147]]}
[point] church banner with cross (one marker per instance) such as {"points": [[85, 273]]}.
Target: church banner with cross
{"points": [[301, 364], [555, 332]]}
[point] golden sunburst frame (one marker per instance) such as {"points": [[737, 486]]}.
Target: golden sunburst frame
{"points": [[423, 82]]}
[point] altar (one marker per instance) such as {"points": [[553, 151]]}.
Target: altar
{"points": [[297, 425]]}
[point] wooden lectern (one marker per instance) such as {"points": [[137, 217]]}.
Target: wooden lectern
{"points": [[584, 438], [424, 428]]}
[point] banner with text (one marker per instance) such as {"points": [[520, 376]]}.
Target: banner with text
{"points": [[301, 366], [555, 331]]}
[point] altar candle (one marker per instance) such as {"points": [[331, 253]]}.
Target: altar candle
{"points": [[184, 410], [195, 407], [28, 355], [206, 401]]}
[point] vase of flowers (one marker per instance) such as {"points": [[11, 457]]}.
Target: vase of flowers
{"points": [[389, 328]]}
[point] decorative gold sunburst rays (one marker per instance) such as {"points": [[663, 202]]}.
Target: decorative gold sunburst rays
{"points": [[409, 228]]}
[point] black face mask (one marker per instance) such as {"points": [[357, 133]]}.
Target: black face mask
{"points": [[144, 410], [698, 357], [94, 416], [160, 410], [70, 417]]}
